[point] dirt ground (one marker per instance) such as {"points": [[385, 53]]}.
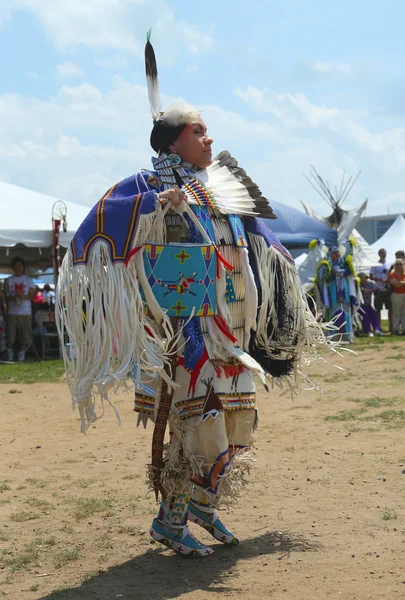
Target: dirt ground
{"points": [[323, 516]]}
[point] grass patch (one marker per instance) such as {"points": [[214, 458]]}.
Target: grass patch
{"points": [[67, 528], [105, 542], [22, 516], [128, 530], [371, 342], [347, 415], [376, 401], [389, 514], [392, 416], [34, 587], [395, 357], [36, 482], [339, 377], [90, 575], [83, 483], [66, 556], [4, 537], [392, 419], [29, 555], [14, 391], [87, 507], [4, 487], [22, 561], [4, 501], [41, 504], [49, 371]]}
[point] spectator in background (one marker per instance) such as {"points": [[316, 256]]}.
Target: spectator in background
{"points": [[3, 345], [398, 254], [18, 289], [367, 313], [49, 295], [37, 297], [382, 293], [397, 282]]}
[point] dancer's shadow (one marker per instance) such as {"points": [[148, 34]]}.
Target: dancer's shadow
{"points": [[160, 576]]}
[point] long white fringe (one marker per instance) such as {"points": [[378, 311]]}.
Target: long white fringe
{"points": [[111, 335]]}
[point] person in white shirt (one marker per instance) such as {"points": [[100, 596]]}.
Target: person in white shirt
{"points": [[18, 289], [49, 295], [382, 294]]}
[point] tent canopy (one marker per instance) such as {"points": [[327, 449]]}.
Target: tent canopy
{"points": [[393, 239], [295, 229], [26, 225]]}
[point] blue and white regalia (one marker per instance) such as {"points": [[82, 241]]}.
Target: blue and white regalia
{"points": [[193, 303], [338, 292]]}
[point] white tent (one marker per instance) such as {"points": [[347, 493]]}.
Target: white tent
{"points": [[300, 259], [393, 239], [365, 256], [26, 225]]}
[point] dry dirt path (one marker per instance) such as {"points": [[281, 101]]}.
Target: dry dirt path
{"points": [[323, 517]]}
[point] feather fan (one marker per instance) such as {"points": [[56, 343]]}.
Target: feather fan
{"points": [[233, 190]]}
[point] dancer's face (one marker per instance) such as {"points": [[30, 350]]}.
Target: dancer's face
{"points": [[194, 145]]}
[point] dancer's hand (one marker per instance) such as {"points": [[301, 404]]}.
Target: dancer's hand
{"points": [[174, 195]]}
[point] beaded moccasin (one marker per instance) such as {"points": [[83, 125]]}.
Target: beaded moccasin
{"points": [[211, 523], [179, 539]]}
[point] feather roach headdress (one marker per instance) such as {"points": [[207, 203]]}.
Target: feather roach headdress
{"points": [[167, 125], [236, 193]]}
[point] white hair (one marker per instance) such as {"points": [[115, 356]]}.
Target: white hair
{"points": [[181, 113]]}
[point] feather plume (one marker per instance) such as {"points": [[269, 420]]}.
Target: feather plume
{"points": [[152, 80]]}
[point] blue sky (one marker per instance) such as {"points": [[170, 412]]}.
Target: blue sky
{"points": [[282, 85]]}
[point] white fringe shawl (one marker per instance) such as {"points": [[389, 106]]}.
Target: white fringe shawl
{"points": [[305, 334], [113, 333]]}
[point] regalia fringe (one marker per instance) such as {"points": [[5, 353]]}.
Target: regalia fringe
{"points": [[101, 311], [287, 335], [181, 467]]}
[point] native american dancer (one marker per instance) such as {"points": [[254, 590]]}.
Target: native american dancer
{"points": [[338, 290], [175, 281]]}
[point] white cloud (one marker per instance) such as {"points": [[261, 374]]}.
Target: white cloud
{"points": [[328, 67], [290, 109], [69, 69], [356, 73], [196, 41], [320, 70], [115, 24], [78, 143]]}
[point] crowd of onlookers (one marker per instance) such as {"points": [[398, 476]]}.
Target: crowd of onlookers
{"points": [[21, 303], [384, 288]]}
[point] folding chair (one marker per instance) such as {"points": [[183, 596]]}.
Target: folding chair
{"points": [[48, 332]]}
